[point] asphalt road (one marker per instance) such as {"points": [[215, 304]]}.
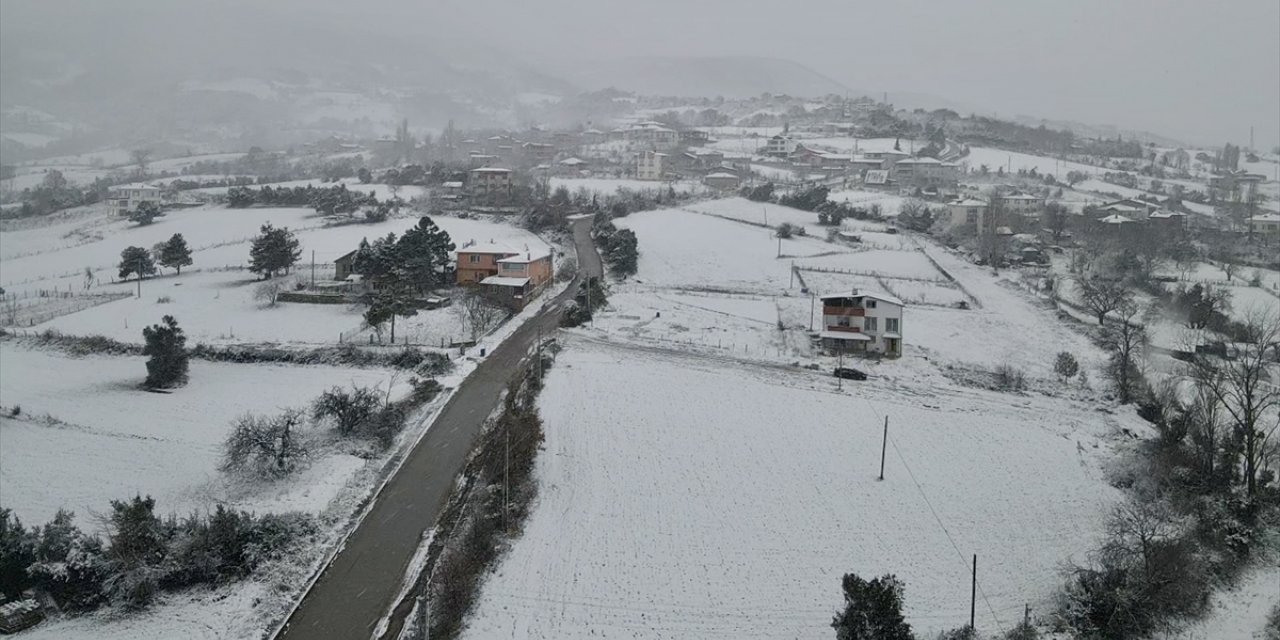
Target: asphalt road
{"points": [[360, 584]]}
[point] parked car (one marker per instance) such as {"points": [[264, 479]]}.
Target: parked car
{"points": [[849, 373]]}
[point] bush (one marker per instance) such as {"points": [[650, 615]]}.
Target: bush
{"points": [[785, 230], [1010, 378], [1065, 366], [872, 610], [268, 444], [348, 409]]}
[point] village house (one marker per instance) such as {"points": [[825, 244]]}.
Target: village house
{"points": [[694, 137], [780, 146], [700, 160], [1266, 226], [510, 275], [1168, 220], [925, 172], [484, 181], [344, 266], [1235, 186], [1022, 204], [861, 322], [650, 165], [126, 198], [969, 211], [722, 181], [1131, 208], [652, 134]]}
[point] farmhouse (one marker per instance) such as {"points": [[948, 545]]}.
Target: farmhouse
{"points": [[925, 172], [1266, 225], [1023, 204], [344, 266], [780, 146], [484, 181], [511, 275], [721, 180], [967, 211], [861, 322], [650, 165], [125, 198]]}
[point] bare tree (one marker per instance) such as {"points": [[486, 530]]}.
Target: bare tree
{"points": [[1245, 387], [1102, 296], [141, 158], [267, 442], [1126, 341], [1135, 529], [478, 312], [268, 292]]}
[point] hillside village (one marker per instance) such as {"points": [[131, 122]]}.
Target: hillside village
{"points": [[685, 367]]}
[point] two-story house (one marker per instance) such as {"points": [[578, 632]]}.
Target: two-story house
{"points": [[969, 211], [1021, 204], [125, 198], [1265, 226], [650, 165], [512, 275], [861, 322], [484, 181], [780, 146], [925, 172]]}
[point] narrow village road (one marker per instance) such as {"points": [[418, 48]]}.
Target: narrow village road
{"points": [[362, 581]]}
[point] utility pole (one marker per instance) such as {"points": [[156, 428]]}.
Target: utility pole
{"points": [[884, 446], [779, 246], [812, 301], [313, 268], [139, 277], [840, 365], [973, 591], [506, 480]]}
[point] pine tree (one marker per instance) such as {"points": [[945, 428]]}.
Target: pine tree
{"points": [[394, 298], [166, 348], [175, 253], [17, 552], [138, 543], [872, 610], [422, 255], [273, 250], [145, 213], [136, 260]]}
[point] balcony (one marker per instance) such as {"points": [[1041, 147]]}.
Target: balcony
{"points": [[856, 312]]}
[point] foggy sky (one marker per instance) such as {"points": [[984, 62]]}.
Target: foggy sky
{"points": [[1199, 71]]}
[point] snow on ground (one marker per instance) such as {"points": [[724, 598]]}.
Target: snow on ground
{"points": [[889, 203], [226, 614], [609, 186], [775, 173], [214, 298], [1239, 613], [1012, 161], [109, 439], [379, 191], [731, 507]]}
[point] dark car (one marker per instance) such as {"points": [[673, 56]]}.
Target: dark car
{"points": [[849, 373]]}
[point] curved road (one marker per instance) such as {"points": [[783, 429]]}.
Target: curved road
{"points": [[361, 582]]}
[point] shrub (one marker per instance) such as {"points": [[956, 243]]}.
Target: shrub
{"points": [[872, 610], [167, 354], [348, 409], [1065, 366], [1010, 378], [268, 444]]}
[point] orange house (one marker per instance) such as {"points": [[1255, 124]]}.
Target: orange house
{"points": [[513, 276]]}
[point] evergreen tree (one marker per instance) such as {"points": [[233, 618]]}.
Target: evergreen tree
{"points": [[145, 213], [394, 298], [377, 260], [274, 250], [136, 260], [138, 542], [872, 610], [17, 552], [422, 255], [175, 253], [166, 348]]}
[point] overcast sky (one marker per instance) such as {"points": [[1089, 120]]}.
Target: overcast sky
{"points": [[1202, 70], [1197, 70]]}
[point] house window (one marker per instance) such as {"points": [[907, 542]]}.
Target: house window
{"points": [[474, 258], [869, 324], [891, 325], [842, 321], [870, 304]]}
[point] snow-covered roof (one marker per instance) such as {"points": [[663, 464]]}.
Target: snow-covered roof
{"points": [[525, 257], [891, 334], [454, 184], [593, 131], [1266, 217], [490, 170], [1116, 218], [1168, 214], [721, 175], [573, 162], [1021, 196], [920, 161], [505, 281], [968, 202], [845, 335], [858, 293], [489, 247], [145, 187], [876, 176]]}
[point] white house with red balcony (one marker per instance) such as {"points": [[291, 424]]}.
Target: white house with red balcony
{"points": [[862, 322]]}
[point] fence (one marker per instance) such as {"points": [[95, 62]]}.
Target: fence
{"points": [[31, 308]]}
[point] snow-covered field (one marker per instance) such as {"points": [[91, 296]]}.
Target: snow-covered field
{"points": [[730, 508], [1013, 162], [214, 299], [87, 433], [696, 483], [609, 186]]}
